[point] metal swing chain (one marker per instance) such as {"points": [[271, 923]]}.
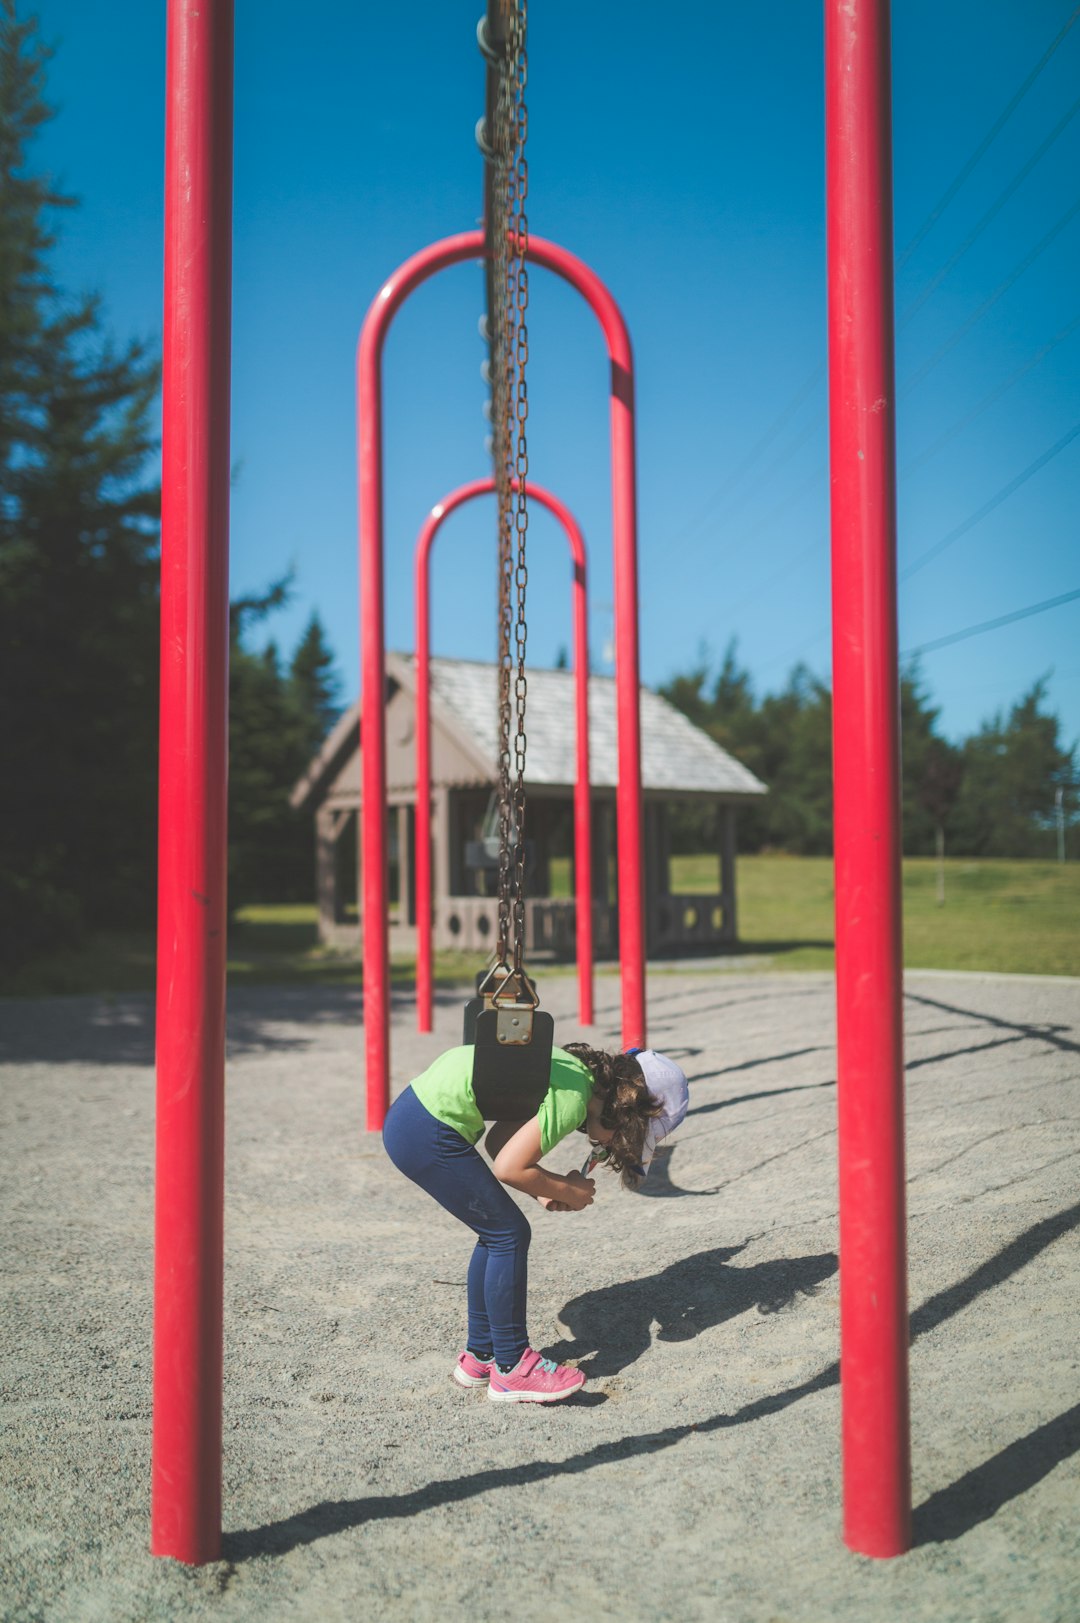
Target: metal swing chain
{"points": [[510, 282]]}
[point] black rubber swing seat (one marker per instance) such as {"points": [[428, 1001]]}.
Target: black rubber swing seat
{"points": [[512, 1041]]}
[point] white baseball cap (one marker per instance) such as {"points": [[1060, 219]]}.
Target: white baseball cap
{"points": [[667, 1083]]}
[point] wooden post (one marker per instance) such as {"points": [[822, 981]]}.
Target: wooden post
{"points": [[404, 866], [727, 873], [939, 848], [327, 830], [442, 831], [663, 850]]}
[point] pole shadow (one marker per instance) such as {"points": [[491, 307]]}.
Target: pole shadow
{"points": [[947, 1514], [1047, 1033], [980, 1493]]}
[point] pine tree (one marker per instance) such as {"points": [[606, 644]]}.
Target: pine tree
{"points": [[277, 720], [314, 689], [796, 764], [1013, 767], [78, 565], [932, 769]]}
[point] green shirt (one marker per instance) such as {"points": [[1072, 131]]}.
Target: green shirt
{"points": [[445, 1091]]}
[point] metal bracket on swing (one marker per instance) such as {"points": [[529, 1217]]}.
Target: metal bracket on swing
{"points": [[513, 996], [512, 1040]]}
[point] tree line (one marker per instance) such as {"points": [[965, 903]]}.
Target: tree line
{"points": [[995, 794], [79, 564]]}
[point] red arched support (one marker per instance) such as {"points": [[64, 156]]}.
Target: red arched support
{"points": [[866, 710], [409, 276], [188, 1252], [582, 808]]}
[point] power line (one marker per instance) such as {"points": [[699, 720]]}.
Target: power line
{"points": [[961, 529], [806, 388], [785, 416], [995, 130], [989, 400], [988, 507], [938, 547], [796, 653], [912, 382], [819, 544], [940, 353], [817, 476], [995, 208], [987, 304], [991, 625], [775, 428]]}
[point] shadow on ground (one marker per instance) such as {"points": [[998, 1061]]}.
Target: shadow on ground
{"points": [[946, 1515], [979, 1494], [612, 1327]]}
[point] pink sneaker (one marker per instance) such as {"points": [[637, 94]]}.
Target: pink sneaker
{"points": [[472, 1371], [534, 1380]]}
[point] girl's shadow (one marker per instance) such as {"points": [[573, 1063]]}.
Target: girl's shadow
{"points": [[612, 1327]]}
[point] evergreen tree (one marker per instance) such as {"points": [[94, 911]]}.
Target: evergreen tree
{"points": [[796, 763], [724, 707], [737, 725], [996, 795], [1013, 767], [277, 720], [78, 566], [264, 834], [932, 769], [314, 689]]}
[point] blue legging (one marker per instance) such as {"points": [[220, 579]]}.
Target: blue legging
{"points": [[447, 1167]]}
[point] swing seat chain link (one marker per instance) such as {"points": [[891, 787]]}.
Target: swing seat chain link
{"points": [[512, 1036], [508, 246]]}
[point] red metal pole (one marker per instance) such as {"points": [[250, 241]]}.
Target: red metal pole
{"points": [[424, 998], [583, 879], [409, 276], [186, 1467], [866, 708], [582, 808]]}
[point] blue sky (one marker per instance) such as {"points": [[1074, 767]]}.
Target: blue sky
{"points": [[682, 156]]}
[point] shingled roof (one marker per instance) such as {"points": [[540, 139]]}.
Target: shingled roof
{"points": [[675, 755]]}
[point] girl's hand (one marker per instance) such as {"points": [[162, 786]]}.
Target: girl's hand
{"points": [[579, 1191], [550, 1205]]}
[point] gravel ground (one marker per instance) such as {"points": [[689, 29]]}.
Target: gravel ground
{"points": [[697, 1476]]}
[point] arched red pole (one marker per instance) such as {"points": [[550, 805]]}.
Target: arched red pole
{"points": [[188, 1250], [452, 251], [582, 806], [866, 710]]}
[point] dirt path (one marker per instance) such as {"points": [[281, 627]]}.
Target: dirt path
{"points": [[697, 1478]]}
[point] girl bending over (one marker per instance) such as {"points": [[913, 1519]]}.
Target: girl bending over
{"points": [[625, 1103]]}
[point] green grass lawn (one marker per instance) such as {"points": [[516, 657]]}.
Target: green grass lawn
{"points": [[269, 945], [1022, 917]]}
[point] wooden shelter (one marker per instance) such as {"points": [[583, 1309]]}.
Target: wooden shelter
{"points": [[680, 765]]}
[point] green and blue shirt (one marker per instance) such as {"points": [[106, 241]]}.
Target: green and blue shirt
{"points": [[445, 1091]]}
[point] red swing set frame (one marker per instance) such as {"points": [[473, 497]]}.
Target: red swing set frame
{"points": [[187, 1428], [470, 245], [583, 915]]}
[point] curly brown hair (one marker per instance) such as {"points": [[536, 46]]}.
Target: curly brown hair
{"points": [[627, 1107]]}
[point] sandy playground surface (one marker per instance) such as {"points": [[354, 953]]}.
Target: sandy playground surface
{"points": [[697, 1477]]}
